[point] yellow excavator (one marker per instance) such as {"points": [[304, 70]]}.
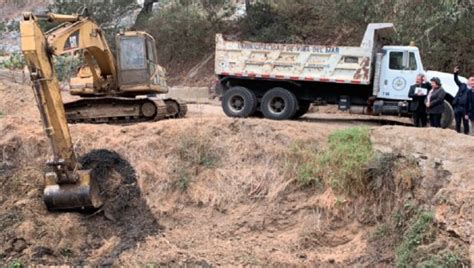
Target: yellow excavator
{"points": [[112, 90], [108, 91]]}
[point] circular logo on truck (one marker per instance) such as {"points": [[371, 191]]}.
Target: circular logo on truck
{"points": [[399, 83], [224, 64]]}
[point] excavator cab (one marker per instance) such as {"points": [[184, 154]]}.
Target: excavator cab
{"points": [[137, 67]]}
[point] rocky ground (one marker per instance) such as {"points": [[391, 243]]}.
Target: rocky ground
{"points": [[209, 190]]}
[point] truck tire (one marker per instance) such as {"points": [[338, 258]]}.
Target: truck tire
{"points": [[239, 102], [303, 107], [447, 116], [279, 104]]}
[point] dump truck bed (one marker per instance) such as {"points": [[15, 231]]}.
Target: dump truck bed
{"points": [[336, 64]]}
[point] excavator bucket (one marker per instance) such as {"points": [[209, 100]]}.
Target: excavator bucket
{"points": [[84, 195]]}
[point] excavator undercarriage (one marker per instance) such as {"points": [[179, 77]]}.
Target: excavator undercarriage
{"points": [[119, 110]]}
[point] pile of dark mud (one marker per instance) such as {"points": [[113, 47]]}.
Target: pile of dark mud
{"points": [[75, 238]]}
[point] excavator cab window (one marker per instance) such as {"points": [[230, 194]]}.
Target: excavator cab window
{"points": [[132, 54], [133, 59]]}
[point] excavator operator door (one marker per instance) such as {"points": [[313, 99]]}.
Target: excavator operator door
{"points": [[138, 70]]}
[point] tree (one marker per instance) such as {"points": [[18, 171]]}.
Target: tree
{"points": [[247, 5], [108, 14], [145, 13]]}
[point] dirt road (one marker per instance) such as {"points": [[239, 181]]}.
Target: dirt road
{"points": [[209, 190]]}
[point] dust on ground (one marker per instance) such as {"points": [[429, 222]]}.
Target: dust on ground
{"points": [[210, 190]]}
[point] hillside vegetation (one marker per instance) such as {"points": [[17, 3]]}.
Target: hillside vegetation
{"points": [[442, 29], [185, 30]]}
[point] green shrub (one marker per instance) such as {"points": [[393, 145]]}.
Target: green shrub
{"points": [[15, 264], [12, 26], [197, 151], [286, 22], [301, 163], [446, 260], [307, 174], [414, 237], [342, 165], [380, 232], [344, 162], [66, 66], [182, 33], [14, 62], [183, 181], [264, 24]]}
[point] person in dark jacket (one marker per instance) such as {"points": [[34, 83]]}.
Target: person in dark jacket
{"points": [[470, 101], [435, 102], [460, 104], [470, 106], [418, 93]]}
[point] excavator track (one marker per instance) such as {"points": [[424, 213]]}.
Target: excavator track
{"points": [[119, 110], [176, 108]]}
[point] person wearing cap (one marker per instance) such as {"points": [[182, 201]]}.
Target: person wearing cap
{"points": [[435, 102], [418, 93], [460, 103]]}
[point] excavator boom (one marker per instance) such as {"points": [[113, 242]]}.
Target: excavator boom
{"points": [[67, 186]]}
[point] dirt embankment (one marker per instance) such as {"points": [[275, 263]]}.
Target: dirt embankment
{"points": [[210, 190]]}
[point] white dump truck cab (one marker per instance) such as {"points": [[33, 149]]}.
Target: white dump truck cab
{"points": [[399, 67], [398, 70]]}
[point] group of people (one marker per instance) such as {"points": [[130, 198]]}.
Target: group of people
{"points": [[428, 102]]}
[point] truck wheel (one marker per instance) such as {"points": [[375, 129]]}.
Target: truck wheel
{"points": [[239, 102], [447, 116], [279, 104], [303, 107]]}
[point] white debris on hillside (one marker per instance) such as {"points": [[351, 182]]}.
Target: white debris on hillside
{"points": [[10, 42]]}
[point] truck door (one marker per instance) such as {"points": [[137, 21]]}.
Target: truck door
{"points": [[399, 71]]}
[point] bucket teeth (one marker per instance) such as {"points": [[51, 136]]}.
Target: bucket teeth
{"points": [[83, 195]]}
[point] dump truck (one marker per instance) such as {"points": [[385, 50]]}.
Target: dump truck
{"points": [[280, 81]]}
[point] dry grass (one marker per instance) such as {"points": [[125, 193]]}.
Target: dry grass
{"points": [[195, 152], [301, 163]]}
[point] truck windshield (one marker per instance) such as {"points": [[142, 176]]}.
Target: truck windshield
{"points": [[396, 61]]}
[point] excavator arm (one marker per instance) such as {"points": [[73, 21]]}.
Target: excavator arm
{"points": [[83, 34], [67, 186]]}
